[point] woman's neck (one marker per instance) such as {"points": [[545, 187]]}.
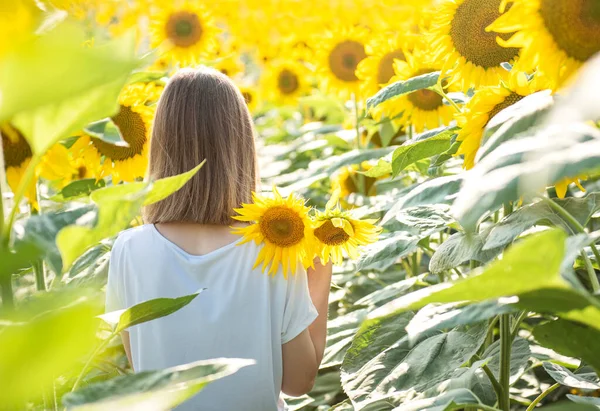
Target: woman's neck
{"points": [[197, 239]]}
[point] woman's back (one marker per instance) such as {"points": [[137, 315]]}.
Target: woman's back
{"points": [[242, 313]]}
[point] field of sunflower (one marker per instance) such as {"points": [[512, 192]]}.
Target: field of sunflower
{"points": [[444, 154]]}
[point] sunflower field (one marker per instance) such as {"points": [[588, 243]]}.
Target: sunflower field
{"points": [[466, 131]]}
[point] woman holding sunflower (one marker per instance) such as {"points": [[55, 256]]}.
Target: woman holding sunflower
{"points": [[278, 321]]}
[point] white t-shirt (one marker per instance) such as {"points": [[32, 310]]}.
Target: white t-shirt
{"points": [[243, 313]]}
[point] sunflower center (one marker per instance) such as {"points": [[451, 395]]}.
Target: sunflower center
{"points": [[287, 82], [15, 147], [134, 132], [467, 31], [331, 235], [574, 25], [385, 71], [344, 58], [282, 226], [511, 99], [247, 97], [81, 172], [183, 28], [426, 100]]}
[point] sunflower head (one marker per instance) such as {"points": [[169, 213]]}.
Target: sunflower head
{"points": [[187, 31], [469, 54], [284, 81], [284, 229], [337, 232], [556, 36], [17, 154], [350, 180], [338, 56]]}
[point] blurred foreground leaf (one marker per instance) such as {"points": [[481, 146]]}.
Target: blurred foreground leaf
{"points": [[403, 87], [48, 338], [153, 390]]}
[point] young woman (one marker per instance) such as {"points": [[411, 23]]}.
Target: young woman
{"points": [[187, 245]]}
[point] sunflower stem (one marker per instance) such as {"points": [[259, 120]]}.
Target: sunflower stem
{"points": [[505, 351], [94, 354], [542, 396], [440, 90], [25, 181]]}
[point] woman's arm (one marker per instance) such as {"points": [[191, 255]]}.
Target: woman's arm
{"points": [[302, 356]]}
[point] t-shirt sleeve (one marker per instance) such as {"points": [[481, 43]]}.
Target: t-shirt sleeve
{"points": [[115, 286], [299, 311]]}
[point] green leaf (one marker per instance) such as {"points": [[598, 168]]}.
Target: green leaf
{"points": [[146, 311], [460, 248], [114, 214], [413, 151], [531, 265], [379, 170], [106, 130], [49, 337], [571, 339], [41, 231], [340, 333], [593, 402], [525, 166], [50, 104], [391, 291], [385, 252], [381, 365], [117, 206], [440, 190], [514, 120], [19, 258], [564, 376], [79, 188], [146, 76], [450, 400], [527, 216], [519, 358], [156, 390], [434, 317], [472, 378], [400, 88]]}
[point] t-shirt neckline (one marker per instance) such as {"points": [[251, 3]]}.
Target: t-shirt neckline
{"points": [[192, 256]]}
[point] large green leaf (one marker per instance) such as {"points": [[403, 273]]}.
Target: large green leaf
{"points": [[20, 257], [572, 339], [450, 400], [592, 402], [525, 166], [460, 248], [415, 150], [440, 190], [340, 333], [445, 316], [519, 358], [514, 120], [79, 188], [382, 366], [526, 217], [385, 252], [41, 230], [391, 291], [400, 88], [50, 104], [153, 390], [146, 311], [531, 265], [115, 213], [47, 338], [581, 379]]}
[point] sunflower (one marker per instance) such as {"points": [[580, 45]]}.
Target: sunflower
{"points": [[17, 155], [377, 69], [562, 186], [188, 31], [251, 97], [284, 81], [350, 180], [485, 104], [422, 108], [62, 165], [338, 56], [18, 22], [470, 55], [557, 36], [227, 59], [283, 225], [336, 231], [126, 163]]}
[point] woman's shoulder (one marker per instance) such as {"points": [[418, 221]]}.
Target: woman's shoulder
{"points": [[132, 236]]}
